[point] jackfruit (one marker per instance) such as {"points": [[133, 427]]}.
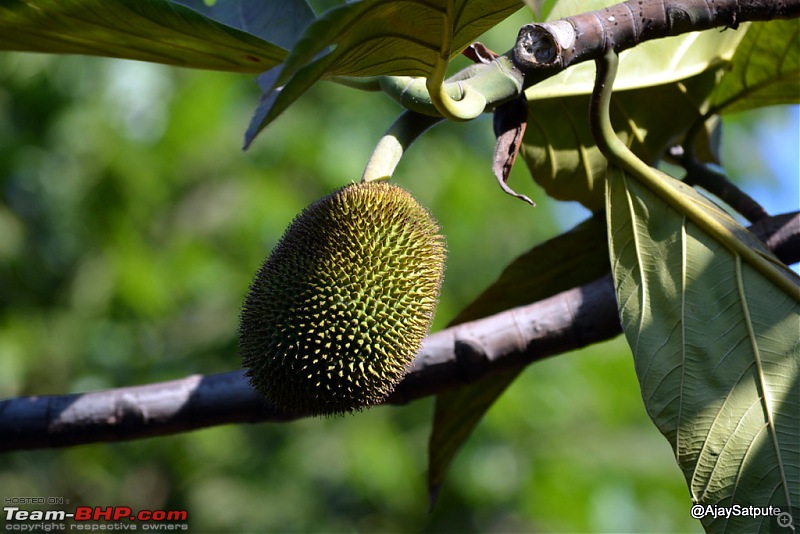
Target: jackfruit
{"points": [[338, 311]]}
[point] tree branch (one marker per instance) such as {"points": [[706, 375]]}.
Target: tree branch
{"points": [[702, 175], [453, 357], [543, 49]]}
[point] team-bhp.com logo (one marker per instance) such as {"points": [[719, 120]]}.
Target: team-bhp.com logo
{"points": [[94, 518]]}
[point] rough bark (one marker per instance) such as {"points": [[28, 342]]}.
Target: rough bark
{"points": [[543, 49]]}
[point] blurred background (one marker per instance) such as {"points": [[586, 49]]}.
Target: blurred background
{"points": [[131, 224]]}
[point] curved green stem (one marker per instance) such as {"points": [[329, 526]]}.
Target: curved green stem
{"points": [[390, 149], [620, 155], [410, 92], [469, 106], [474, 90], [470, 103]]}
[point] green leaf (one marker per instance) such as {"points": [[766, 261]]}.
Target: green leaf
{"points": [[148, 30], [395, 37], [569, 260], [715, 349], [680, 73], [378, 37], [457, 414], [765, 69], [540, 8], [280, 22], [561, 153], [651, 63]]}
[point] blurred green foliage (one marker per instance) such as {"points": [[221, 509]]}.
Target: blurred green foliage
{"points": [[130, 226]]}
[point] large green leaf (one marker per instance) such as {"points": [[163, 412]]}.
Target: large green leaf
{"points": [[679, 73], [378, 37], [278, 21], [765, 70], [716, 351], [655, 62], [456, 415], [562, 156], [148, 30], [569, 260], [688, 75], [395, 37]]}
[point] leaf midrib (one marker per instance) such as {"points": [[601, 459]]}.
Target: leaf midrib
{"points": [[761, 382]]}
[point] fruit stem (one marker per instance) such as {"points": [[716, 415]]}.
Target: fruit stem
{"points": [[390, 149]]}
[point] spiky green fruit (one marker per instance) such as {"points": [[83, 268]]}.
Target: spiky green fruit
{"points": [[338, 311]]}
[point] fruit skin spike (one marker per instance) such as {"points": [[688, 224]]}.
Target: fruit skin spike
{"points": [[337, 313]]}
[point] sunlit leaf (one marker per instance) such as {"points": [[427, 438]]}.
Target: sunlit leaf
{"points": [[561, 154], [654, 62], [380, 37], [765, 70], [278, 21], [569, 260], [716, 352], [679, 73], [148, 30], [375, 37]]}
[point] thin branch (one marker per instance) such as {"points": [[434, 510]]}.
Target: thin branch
{"points": [[702, 175], [456, 356]]}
